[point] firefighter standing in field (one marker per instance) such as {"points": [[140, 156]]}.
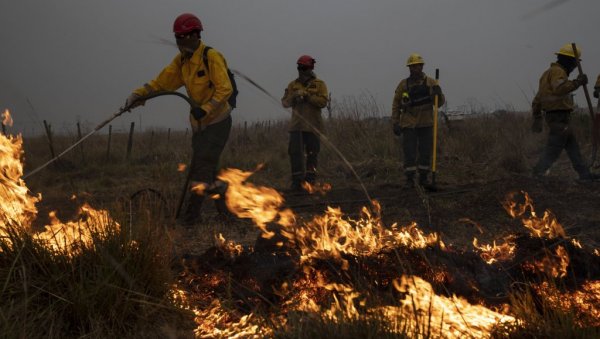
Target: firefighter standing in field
{"points": [[306, 95], [210, 88], [555, 100], [597, 88], [412, 118]]}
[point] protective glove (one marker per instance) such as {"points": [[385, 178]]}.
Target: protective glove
{"points": [[436, 90], [597, 92], [132, 102], [581, 80], [537, 126], [300, 95], [397, 129], [198, 113]]}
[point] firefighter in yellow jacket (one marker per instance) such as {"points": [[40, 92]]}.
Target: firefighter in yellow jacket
{"points": [[210, 87], [555, 100], [412, 118], [306, 95]]}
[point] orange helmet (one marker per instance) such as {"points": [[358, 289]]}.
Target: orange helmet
{"points": [[306, 60], [186, 23]]}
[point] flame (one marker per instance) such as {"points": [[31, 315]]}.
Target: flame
{"points": [[181, 167], [546, 226], [451, 317], [555, 264], [495, 253], [17, 207], [72, 235], [261, 204], [199, 188], [322, 189], [6, 118], [228, 247], [585, 301]]}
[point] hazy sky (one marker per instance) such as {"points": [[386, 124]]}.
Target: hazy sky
{"points": [[69, 60]]}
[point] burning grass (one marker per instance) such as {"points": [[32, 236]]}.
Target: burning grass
{"points": [[324, 275], [84, 276], [343, 271]]}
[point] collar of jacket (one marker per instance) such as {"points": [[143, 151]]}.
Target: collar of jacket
{"points": [[196, 57], [558, 65], [422, 77], [312, 77]]}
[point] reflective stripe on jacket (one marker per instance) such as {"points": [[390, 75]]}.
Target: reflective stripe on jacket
{"points": [[554, 93], [209, 88], [306, 114], [411, 113]]}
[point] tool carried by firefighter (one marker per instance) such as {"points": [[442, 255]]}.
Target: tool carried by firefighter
{"points": [[595, 117], [435, 132]]}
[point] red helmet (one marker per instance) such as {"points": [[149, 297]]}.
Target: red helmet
{"points": [[186, 23], [306, 60]]}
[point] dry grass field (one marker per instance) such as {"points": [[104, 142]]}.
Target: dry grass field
{"points": [[481, 160]]}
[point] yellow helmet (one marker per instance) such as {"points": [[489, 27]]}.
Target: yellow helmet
{"points": [[414, 59], [567, 50]]}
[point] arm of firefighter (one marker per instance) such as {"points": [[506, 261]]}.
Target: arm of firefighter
{"points": [[169, 79], [319, 97], [288, 97], [441, 97], [397, 105], [560, 83], [220, 79]]}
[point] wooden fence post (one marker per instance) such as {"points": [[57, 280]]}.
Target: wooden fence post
{"points": [[151, 142], [80, 145], [49, 134], [130, 141], [108, 146]]}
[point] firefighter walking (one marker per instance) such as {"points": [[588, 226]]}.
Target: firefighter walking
{"points": [[412, 118], [204, 73], [306, 95], [554, 98]]}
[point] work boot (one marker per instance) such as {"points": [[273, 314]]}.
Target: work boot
{"points": [[311, 177], [589, 177], [193, 213], [223, 213]]}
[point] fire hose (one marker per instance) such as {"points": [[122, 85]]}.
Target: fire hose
{"points": [[193, 106]]}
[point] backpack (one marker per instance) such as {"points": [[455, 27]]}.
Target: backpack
{"points": [[233, 98]]}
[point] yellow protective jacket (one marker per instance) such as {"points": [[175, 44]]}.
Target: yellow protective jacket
{"points": [[306, 100], [209, 88], [597, 86], [554, 91], [414, 115]]}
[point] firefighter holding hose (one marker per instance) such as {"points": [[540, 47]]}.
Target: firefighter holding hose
{"points": [[204, 73]]}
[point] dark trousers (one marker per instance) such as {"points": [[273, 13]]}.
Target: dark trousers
{"points": [[417, 146], [207, 146], [561, 137], [304, 146]]}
